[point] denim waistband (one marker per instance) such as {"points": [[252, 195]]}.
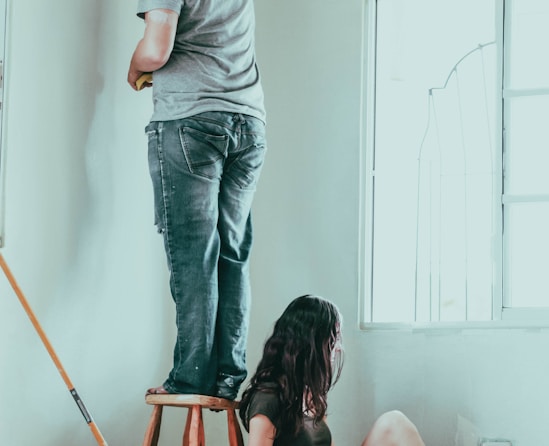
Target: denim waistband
{"points": [[226, 119]]}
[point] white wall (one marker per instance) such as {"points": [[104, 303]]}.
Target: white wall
{"points": [[80, 240], [79, 229]]}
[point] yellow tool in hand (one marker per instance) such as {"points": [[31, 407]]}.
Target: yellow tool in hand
{"points": [[144, 78]]}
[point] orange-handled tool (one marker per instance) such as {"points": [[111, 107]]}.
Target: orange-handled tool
{"points": [[95, 430]]}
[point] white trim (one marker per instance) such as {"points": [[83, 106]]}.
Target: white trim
{"points": [[524, 198], [507, 25], [3, 119], [522, 92], [524, 321], [366, 175], [497, 214], [533, 315]]}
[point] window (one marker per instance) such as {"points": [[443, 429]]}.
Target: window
{"points": [[456, 190]]}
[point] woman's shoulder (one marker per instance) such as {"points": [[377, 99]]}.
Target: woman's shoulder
{"points": [[265, 402]]}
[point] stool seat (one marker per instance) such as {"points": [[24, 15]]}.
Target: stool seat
{"points": [[194, 427]]}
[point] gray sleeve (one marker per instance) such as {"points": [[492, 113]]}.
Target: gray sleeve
{"points": [[144, 6]]}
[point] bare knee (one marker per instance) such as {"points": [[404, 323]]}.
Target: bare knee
{"points": [[392, 421], [391, 424], [393, 428]]}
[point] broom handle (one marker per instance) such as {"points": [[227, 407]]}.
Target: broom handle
{"points": [[96, 433]]}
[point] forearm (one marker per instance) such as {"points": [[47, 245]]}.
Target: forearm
{"points": [[146, 58], [154, 49]]}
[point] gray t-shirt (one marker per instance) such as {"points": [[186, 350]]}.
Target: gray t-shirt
{"points": [[212, 66], [310, 435]]}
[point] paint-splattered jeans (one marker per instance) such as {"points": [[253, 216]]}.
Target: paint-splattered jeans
{"points": [[204, 171]]}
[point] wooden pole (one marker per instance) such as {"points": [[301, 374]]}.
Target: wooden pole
{"points": [[95, 430]]}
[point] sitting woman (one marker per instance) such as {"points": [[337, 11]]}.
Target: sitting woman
{"points": [[286, 400]]}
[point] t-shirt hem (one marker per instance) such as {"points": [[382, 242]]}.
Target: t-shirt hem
{"points": [[144, 6]]}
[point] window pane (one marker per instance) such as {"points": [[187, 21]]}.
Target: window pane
{"points": [[527, 255], [527, 145], [528, 40], [434, 159]]}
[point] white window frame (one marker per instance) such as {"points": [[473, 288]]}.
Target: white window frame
{"points": [[502, 316], [507, 313]]}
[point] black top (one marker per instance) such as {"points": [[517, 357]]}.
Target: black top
{"points": [[263, 403]]}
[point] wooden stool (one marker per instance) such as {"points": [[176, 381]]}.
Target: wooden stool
{"points": [[194, 428]]}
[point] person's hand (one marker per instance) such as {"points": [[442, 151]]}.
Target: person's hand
{"points": [[144, 81], [139, 80]]}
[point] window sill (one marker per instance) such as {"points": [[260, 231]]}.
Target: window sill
{"points": [[420, 327]]}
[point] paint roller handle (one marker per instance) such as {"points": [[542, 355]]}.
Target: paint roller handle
{"points": [[98, 437], [22, 299], [89, 420]]}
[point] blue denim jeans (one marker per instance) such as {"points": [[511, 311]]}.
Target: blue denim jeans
{"points": [[204, 171]]}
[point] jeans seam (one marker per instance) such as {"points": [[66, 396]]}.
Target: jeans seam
{"points": [[167, 233]]}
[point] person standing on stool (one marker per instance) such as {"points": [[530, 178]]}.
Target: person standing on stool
{"points": [[206, 148]]}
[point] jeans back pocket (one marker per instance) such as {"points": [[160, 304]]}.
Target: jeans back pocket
{"points": [[204, 153]]}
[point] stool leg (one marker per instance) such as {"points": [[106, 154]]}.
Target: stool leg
{"points": [[201, 435], [194, 428], [235, 434], [153, 429]]}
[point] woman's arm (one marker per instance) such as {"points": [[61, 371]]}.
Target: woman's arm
{"points": [[154, 49], [262, 431], [326, 421]]}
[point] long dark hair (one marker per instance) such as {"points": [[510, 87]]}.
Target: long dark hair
{"points": [[301, 362]]}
